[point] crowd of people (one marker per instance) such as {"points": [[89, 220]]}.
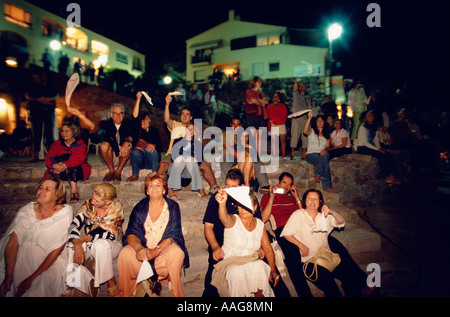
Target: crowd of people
{"points": [[45, 239]]}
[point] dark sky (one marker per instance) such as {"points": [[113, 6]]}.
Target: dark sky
{"points": [[411, 43]]}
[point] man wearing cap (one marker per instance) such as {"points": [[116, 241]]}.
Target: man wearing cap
{"points": [[214, 232]]}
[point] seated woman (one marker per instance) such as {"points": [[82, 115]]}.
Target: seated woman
{"points": [[101, 219], [146, 153], [242, 273], [368, 143], [339, 141], [67, 158], [185, 157], [317, 151], [308, 228], [244, 159], [154, 234], [33, 260]]}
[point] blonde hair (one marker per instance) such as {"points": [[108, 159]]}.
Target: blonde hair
{"points": [[105, 190], [60, 189]]}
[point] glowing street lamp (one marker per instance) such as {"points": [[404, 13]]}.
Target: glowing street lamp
{"points": [[334, 32], [55, 45], [167, 80]]}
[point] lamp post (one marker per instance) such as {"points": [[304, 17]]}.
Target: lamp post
{"points": [[334, 32]]}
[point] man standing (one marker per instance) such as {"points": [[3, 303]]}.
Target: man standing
{"points": [[42, 101], [300, 102], [177, 130], [117, 145]]}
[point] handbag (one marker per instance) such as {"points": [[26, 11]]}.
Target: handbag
{"points": [[324, 258]]}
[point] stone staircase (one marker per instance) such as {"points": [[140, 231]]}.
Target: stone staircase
{"points": [[18, 185]]}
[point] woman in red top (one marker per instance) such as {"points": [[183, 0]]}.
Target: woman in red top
{"points": [[255, 109], [277, 114], [67, 158]]}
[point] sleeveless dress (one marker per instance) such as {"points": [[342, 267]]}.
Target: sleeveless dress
{"points": [[245, 280]]}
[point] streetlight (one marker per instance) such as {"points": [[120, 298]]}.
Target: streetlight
{"points": [[55, 45], [167, 80], [334, 32]]}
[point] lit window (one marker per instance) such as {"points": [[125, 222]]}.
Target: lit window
{"points": [[269, 40], [77, 39], [99, 48], [17, 15]]}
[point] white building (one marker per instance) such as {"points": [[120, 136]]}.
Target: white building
{"points": [[255, 49], [27, 29]]}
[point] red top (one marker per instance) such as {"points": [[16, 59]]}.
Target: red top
{"points": [[277, 113], [282, 208], [251, 94], [78, 154]]}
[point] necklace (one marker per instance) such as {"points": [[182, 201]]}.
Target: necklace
{"points": [[42, 215]]}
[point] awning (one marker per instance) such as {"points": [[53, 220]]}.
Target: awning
{"points": [[207, 44]]}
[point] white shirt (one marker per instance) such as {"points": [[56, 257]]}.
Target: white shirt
{"points": [[315, 143], [301, 226], [362, 139], [336, 137]]}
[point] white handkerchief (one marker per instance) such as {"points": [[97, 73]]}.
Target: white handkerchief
{"points": [[72, 83], [298, 113], [240, 193], [176, 93], [321, 224], [145, 272], [147, 97]]}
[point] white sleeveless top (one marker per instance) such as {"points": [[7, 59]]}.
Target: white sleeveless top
{"points": [[238, 241]]}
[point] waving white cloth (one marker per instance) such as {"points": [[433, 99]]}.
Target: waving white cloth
{"points": [[298, 113], [240, 194], [72, 83], [147, 97]]}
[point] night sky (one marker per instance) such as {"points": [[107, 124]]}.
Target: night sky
{"points": [[411, 46]]}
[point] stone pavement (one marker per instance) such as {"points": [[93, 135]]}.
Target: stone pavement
{"points": [[399, 270]]}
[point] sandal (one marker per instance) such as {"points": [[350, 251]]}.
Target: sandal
{"points": [[203, 196], [173, 196], [113, 291], [74, 198]]}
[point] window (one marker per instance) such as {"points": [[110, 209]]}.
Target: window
{"points": [[258, 69], [244, 42], [269, 40], [274, 66], [17, 15], [77, 39], [137, 63], [99, 48], [122, 58]]}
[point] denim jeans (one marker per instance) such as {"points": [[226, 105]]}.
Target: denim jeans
{"points": [[385, 161], [322, 167], [144, 160]]}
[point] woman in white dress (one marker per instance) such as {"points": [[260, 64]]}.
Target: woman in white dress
{"points": [[33, 260], [241, 273]]}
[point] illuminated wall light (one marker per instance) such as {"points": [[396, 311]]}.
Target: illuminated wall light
{"points": [[11, 62], [71, 30], [55, 45]]}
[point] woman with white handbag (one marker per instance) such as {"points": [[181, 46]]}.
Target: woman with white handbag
{"points": [[308, 228]]}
